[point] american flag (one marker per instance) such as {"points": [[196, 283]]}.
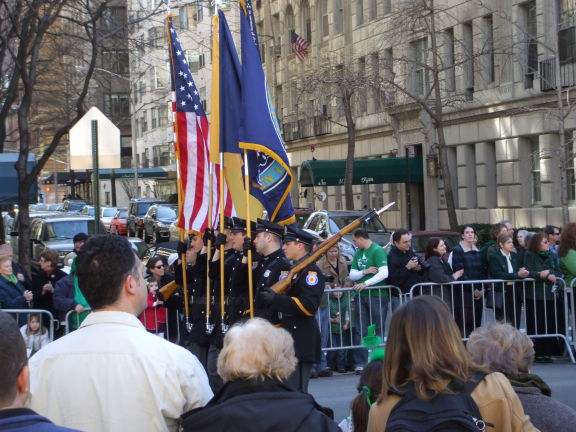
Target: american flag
{"points": [[299, 46], [192, 147]]}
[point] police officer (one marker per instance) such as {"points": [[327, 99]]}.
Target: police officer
{"points": [[196, 259], [298, 305], [272, 267]]}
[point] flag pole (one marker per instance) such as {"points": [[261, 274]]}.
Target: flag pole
{"points": [[215, 139], [248, 232], [178, 177], [209, 327]]}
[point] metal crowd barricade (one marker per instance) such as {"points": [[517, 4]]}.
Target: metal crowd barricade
{"points": [[478, 302], [18, 313], [72, 320], [372, 306], [571, 312]]}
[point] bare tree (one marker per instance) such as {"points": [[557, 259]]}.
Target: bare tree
{"points": [[341, 87]]}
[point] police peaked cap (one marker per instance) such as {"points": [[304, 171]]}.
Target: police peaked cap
{"points": [[239, 225], [270, 227], [228, 223], [298, 235]]}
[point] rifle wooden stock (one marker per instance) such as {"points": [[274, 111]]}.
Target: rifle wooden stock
{"points": [[282, 286], [167, 290]]}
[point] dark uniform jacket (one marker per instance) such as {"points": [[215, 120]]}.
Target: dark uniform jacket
{"points": [[237, 288], [270, 269], [298, 307], [260, 406], [39, 279], [398, 274], [216, 337], [196, 283]]}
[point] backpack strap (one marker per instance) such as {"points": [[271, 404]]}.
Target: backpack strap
{"points": [[469, 386]]}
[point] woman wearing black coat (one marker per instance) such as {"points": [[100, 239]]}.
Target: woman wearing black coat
{"points": [[254, 363], [439, 271]]}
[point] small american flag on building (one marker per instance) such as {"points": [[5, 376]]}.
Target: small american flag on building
{"points": [[299, 46], [192, 147]]}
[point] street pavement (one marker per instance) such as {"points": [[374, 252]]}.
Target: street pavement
{"points": [[338, 391]]}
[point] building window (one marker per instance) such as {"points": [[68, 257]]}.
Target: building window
{"points": [[157, 77], [118, 104], [362, 102], [359, 12], [529, 35], [536, 174], [488, 57], [193, 60], [387, 6], [468, 41], [290, 27], [154, 118], [419, 74], [306, 21], [116, 61], [338, 16], [450, 60], [570, 160], [567, 30], [144, 121], [372, 9], [324, 14], [279, 99], [163, 118], [183, 18], [157, 37]]}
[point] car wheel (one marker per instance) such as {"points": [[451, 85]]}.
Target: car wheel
{"points": [[147, 238]]}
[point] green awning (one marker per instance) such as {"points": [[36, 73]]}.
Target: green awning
{"points": [[123, 173], [366, 171]]}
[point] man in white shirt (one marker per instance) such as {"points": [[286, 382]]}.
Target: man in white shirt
{"points": [[111, 375]]}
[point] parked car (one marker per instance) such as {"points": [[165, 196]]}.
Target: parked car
{"points": [[106, 214], [139, 246], [420, 240], [327, 223], [73, 206], [118, 224], [137, 209], [157, 222], [55, 232]]}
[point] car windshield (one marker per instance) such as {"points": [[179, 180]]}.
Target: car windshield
{"points": [[339, 222], [41, 207], [108, 212], [88, 210], [122, 214], [75, 205], [53, 207], [166, 213], [67, 229], [143, 208]]}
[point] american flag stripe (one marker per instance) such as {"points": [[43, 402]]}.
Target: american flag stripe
{"points": [[192, 147], [299, 46]]}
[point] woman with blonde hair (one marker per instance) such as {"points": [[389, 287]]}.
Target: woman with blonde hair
{"points": [[427, 362], [502, 348], [255, 362]]}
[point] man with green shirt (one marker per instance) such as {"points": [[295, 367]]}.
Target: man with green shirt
{"points": [[369, 268]]}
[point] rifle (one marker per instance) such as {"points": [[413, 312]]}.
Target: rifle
{"points": [[282, 285], [167, 290]]}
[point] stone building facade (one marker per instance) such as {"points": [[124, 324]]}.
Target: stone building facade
{"points": [[500, 106]]}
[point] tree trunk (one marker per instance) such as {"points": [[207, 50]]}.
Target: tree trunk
{"points": [[443, 153], [24, 183], [351, 130]]}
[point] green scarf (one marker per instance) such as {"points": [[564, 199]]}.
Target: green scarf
{"points": [[11, 278], [78, 298], [530, 380]]}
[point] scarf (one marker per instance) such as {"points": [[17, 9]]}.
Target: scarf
{"points": [[11, 278], [530, 380]]}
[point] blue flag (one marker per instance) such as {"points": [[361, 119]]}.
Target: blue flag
{"points": [[259, 129]]}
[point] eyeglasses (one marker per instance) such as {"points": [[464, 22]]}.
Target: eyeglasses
{"points": [[556, 233], [159, 266]]}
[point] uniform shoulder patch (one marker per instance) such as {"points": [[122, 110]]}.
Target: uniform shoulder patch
{"points": [[312, 278], [283, 274]]}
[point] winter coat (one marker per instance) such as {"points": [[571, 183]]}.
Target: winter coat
{"points": [[494, 396], [26, 420], [259, 406]]}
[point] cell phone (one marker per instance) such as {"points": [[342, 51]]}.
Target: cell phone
{"points": [[414, 258]]}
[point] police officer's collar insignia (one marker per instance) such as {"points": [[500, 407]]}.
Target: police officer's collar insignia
{"points": [[283, 275], [267, 273], [312, 278]]}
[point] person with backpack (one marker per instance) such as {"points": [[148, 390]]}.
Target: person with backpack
{"points": [[430, 383]]}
